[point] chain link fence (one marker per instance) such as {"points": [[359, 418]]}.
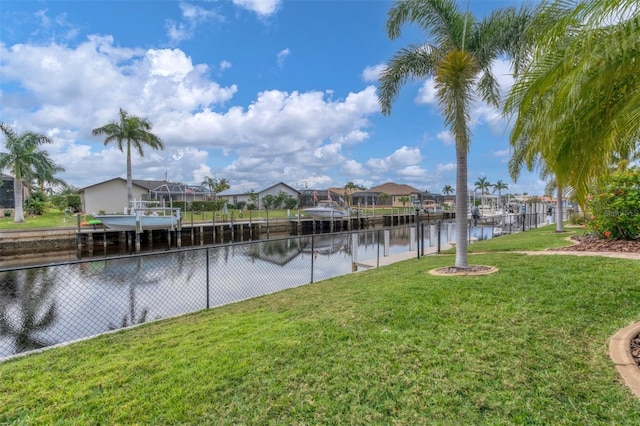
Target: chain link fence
{"points": [[57, 303]]}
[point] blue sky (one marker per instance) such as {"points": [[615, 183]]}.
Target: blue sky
{"points": [[253, 91]]}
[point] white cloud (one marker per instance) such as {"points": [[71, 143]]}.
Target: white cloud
{"points": [[281, 56], [281, 135], [193, 16], [262, 8], [502, 153], [445, 167], [427, 94], [446, 137], [411, 172], [353, 168], [400, 159], [224, 65], [372, 73]]}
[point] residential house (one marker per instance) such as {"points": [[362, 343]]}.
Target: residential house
{"points": [[235, 197], [6, 193], [400, 195], [110, 196]]}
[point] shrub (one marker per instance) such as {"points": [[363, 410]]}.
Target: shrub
{"points": [[204, 206], [615, 207], [36, 204], [577, 219], [179, 205]]}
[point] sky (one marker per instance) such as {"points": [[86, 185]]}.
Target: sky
{"points": [[253, 91]]}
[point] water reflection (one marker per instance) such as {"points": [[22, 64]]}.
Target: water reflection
{"points": [[59, 303], [26, 307]]}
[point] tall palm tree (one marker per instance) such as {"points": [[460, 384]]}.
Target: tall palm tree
{"points": [[26, 162], [578, 113], [483, 185], [448, 189], [499, 186], [130, 130], [458, 54]]}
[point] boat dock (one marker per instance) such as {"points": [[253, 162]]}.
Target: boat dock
{"points": [[97, 237]]}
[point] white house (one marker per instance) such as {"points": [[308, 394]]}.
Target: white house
{"points": [[110, 196], [235, 197]]}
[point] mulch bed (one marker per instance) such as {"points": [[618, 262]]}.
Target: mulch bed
{"points": [[635, 349], [593, 243]]}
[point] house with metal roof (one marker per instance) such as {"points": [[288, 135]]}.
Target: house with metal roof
{"points": [[235, 197], [110, 196]]}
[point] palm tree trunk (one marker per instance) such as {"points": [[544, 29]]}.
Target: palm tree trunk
{"points": [[462, 206], [18, 213], [129, 176], [559, 212]]}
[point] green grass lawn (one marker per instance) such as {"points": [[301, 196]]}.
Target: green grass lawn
{"points": [[52, 219], [394, 345]]}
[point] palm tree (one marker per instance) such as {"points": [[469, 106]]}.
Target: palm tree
{"points": [[577, 114], [130, 130], [404, 200], [483, 186], [47, 176], [448, 189], [26, 162], [348, 190], [383, 197], [209, 182], [221, 185], [499, 186], [458, 54]]}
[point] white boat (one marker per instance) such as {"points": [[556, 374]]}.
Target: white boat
{"points": [[143, 215], [327, 210]]}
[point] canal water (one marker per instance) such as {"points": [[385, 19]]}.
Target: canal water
{"points": [[43, 306]]}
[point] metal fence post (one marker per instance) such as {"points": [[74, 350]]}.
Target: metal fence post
{"points": [[207, 279], [312, 255], [378, 255]]}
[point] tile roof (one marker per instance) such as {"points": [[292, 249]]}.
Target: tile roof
{"points": [[395, 189]]}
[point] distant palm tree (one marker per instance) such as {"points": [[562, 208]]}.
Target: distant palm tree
{"points": [[348, 190], [129, 130], [26, 162], [448, 189], [209, 183], [483, 186], [499, 186], [383, 197], [458, 54], [221, 185]]}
